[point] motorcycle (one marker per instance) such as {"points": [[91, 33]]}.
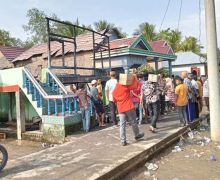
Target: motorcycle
{"points": [[3, 157]]}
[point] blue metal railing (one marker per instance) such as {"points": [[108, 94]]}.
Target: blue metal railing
{"points": [[62, 103]]}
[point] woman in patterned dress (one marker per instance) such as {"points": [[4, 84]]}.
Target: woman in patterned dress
{"points": [[170, 92]]}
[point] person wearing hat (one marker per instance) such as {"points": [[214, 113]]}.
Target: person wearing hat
{"points": [[97, 103], [126, 109], [109, 88]]}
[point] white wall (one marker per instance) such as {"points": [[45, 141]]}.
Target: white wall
{"points": [[177, 70]]}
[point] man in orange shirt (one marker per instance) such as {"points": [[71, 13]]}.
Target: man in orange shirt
{"points": [[181, 93], [126, 109]]}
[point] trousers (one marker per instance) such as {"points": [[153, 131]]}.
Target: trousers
{"points": [[129, 116]]}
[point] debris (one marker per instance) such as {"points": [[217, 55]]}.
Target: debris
{"points": [[180, 143], [190, 134], [218, 147], [154, 178], [207, 140], [197, 155], [147, 173], [175, 178], [176, 149], [151, 166], [212, 158], [202, 129], [47, 145], [186, 156]]}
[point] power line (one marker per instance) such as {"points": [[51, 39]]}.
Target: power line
{"points": [[168, 4], [180, 13]]}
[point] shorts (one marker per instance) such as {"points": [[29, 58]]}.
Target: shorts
{"points": [[99, 107]]}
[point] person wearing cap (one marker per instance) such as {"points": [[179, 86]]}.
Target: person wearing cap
{"points": [[97, 103], [150, 93], [126, 109], [109, 88], [190, 109]]}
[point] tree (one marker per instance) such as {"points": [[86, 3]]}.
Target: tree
{"points": [[103, 24], [68, 30], [145, 68], [190, 44], [7, 40], [37, 25], [148, 30], [172, 37]]}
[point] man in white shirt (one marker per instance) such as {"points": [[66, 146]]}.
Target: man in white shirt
{"points": [[109, 88], [206, 92]]}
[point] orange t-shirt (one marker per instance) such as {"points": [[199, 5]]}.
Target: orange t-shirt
{"points": [[182, 95], [122, 97]]}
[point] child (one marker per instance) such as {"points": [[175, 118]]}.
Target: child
{"points": [[181, 93], [84, 106]]}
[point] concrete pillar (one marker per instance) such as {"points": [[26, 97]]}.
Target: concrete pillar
{"points": [[213, 69], [10, 107], [170, 67], [156, 64], [126, 69], [20, 114]]}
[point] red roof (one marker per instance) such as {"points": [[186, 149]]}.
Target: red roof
{"points": [[120, 43], [161, 46], [11, 53], [84, 43]]}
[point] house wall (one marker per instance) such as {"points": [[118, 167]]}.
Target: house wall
{"points": [[4, 108], [37, 63], [4, 63], [178, 69], [122, 61]]}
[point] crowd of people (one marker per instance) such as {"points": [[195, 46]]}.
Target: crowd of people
{"points": [[145, 101]]}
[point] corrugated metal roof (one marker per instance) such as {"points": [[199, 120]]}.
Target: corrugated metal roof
{"points": [[188, 58], [11, 53]]}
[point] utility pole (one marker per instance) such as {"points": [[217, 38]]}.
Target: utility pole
{"points": [[213, 69]]}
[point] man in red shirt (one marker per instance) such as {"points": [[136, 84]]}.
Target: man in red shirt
{"points": [[126, 109]]}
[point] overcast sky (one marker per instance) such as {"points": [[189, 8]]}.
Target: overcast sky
{"points": [[127, 14]]}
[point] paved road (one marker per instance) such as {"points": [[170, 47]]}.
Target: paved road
{"points": [[87, 156]]}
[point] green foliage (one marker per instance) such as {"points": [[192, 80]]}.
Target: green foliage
{"points": [[103, 24], [190, 44], [172, 37], [7, 40], [145, 68], [68, 30], [163, 71], [37, 25], [148, 31]]}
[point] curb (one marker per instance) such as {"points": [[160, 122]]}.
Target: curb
{"points": [[128, 166]]}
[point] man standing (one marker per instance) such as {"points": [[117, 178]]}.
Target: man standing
{"points": [[126, 109], [181, 93], [206, 92], [84, 106], [97, 103], [109, 88], [190, 110]]}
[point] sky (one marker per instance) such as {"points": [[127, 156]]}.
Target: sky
{"points": [[127, 14]]}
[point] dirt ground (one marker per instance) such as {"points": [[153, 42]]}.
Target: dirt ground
{"points": [[198, 159], [19, 148]]}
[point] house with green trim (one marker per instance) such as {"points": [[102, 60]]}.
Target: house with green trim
{"points": [[132, 52]]}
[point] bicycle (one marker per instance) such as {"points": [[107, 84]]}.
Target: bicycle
{"points": [[3, 157]]}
